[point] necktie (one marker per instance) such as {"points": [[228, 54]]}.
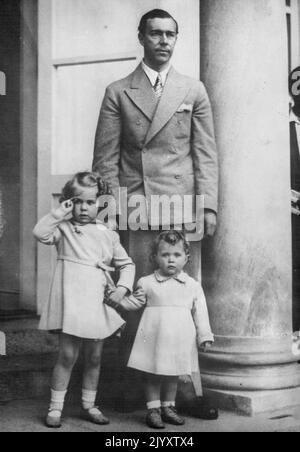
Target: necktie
{"points": [[158, 87]]}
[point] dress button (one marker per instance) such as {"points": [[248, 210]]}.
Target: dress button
{"points": [[177, 176], [139, 122]]}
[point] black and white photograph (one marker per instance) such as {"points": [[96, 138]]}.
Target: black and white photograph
{"points": [[150, 218]]}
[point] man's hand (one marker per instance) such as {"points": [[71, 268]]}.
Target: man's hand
{"points": [[210, 223], [65, 209]]}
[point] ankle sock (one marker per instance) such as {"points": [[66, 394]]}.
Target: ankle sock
{"points": [[153, 405], [88, 399], [168, 404], [57, 402]]}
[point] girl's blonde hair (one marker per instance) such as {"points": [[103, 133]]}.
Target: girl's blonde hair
{"points": [[85, 179]]}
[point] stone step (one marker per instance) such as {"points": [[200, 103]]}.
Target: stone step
{"points": [[25, 371]]}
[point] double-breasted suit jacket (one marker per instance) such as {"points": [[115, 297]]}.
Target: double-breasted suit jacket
{"points": [[158, 148]]}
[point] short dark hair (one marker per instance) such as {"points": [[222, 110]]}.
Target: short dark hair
{"points": [[155, 14], [85, 179], [172, 237]]}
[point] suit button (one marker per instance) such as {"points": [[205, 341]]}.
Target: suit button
{"points": [[177, 176], [139, 122], [144, 151]]}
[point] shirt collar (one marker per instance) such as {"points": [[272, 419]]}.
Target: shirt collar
{"points": [[152, 75], [182, 277], [294, 118]]}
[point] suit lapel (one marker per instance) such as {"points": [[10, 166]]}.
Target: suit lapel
{"points": [[141, 93], [174, 93]]}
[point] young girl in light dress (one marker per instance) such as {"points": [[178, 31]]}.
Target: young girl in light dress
{"points": [[175, 321], [86, 249]]}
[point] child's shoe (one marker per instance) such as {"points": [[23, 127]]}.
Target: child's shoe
{"points": [[53, 420], [170, 416], [154, 419], [95, 416]]}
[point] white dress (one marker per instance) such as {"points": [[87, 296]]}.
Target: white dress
{"points": [[175, 319], [75, 305]]}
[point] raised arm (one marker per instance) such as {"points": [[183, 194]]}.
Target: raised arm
{"points": [[46, 231]]}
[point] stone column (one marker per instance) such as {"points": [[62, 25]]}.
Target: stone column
{"points": [[247, 268], [2, 335]]}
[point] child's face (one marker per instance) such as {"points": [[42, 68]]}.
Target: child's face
{"points": [[171, 259], [85, 204]]}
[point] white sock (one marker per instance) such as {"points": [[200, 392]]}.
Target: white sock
{"points": [[167, 404], [88, 399], [57, 402], [153, 405]]}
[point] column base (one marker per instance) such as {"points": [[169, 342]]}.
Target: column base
{"points": [[250, 403]]}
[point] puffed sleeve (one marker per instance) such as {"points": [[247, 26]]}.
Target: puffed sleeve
{"points": [[200, 316], [123, 263], [137, 300], [47, 231]]}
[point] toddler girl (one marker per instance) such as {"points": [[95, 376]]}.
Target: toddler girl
{"points": [[86, 248], [174, 322]]}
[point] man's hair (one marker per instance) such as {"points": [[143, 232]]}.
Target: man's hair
{"points": [[155, 14], [172, 238], [84, 179]]}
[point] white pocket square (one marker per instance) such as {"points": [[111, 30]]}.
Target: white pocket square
{"points": [[185, 107]]}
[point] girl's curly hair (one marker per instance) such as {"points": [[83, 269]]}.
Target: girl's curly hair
{"points": [[172, 237], [85, 179]]}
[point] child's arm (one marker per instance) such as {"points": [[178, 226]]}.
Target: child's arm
{"points": [[126, 267], [137, 300], [46, 231], [201, 319]]}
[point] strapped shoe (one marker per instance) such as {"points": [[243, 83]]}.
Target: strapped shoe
{"points": [[53, 420], [95, 416], [154, 419], [170, 416]]}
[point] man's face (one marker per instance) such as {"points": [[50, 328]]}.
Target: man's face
{"points": [[159, 42]]}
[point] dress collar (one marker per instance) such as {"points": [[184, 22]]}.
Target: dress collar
{"points": [[182, 277]]}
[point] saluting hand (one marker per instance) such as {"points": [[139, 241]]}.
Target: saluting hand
{"points": [[65, 209]]}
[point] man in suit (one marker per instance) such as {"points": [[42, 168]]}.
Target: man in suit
{"points": [[155, 137], [294, 88]]}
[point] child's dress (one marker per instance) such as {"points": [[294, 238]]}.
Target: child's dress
{"points": [[85, 252], [174, 321]]}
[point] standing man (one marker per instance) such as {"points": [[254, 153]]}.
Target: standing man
{"points": [[155, 136]]}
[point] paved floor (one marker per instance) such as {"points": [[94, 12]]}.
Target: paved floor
{"points": [[27, 416]]}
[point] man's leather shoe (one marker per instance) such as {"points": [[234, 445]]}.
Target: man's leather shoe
{"points": [[200, 408]]}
